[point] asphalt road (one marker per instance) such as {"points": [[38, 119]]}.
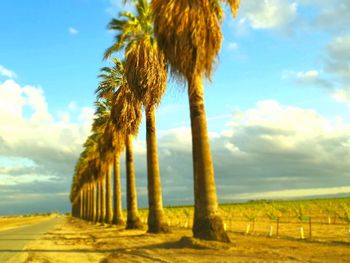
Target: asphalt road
{"points": [[13, 241]]}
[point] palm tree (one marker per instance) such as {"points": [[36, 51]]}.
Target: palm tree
{"points": [[83, 185], [126, 116], [118, 143], [104, 146], [113, 141], [110, 146], [90, 163], [189, 34], [146, 73]]}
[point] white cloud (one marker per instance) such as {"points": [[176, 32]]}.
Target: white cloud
{"points": [[336, 65], [333, 15], [340, 47], [37, 151], [6, 72], [268, 150], [72, 106], [338, 58], [29, 132], [265, 149], [36, 100], [342, 95], [285, 15], [86, 115], [233, 46], [73, 31], [64, 117], [291, 193], [233, 148], [268, 14], [7, 180], [178, 139], [311, 74], [11, 100], [116, 6], [292, 124], [309, 78]]}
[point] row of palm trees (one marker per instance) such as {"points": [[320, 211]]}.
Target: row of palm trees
{"points": [[180, 36]]}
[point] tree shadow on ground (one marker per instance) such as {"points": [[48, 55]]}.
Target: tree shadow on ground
{"points": [[184, 242]]}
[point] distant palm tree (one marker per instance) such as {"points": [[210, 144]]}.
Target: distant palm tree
{"points": [[84, 180], [111, 79], [189, 34], [100, 126], [117, 208], [91, 172], [146, 73], [126, 116], [111, 145]]}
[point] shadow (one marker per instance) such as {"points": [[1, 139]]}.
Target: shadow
{"points": [[168, 245], [58, 238], [182, 243]]}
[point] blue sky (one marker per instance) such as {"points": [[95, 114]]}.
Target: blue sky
{"points": [[277, 106]]}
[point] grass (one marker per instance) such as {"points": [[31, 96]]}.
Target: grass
{"points": [[320, 219]]}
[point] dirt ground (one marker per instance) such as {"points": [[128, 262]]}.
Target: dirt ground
{"points": [[14, 222], [77, 241]]}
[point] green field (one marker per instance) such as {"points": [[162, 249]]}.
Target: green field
{"points": [[320, 219]]}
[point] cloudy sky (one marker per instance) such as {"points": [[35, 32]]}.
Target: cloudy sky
{"points": [[278, 106]]}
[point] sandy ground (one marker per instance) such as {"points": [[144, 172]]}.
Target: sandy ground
{"points": [[18, 221], [77, 241]]}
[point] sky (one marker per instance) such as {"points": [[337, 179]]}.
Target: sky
{"points": [[278, 104]]}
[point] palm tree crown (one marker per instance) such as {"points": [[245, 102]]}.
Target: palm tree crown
{"points": [[188, 31], [145, 66]]}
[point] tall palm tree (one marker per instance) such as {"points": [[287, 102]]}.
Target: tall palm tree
{"points": [[91, 166], [100, 127], [146, 73], [118, 144], [126, 116], [188, 32], [113, 141], [85, 174]]}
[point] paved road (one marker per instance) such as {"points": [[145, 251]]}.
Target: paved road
{"points": [[12, 241]]}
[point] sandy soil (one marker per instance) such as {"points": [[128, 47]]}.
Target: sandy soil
{"points": [[18, 221], [77, 241]]}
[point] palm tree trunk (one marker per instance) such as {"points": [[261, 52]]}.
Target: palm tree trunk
{"points": [[85, 202], [90, 202], [109, 200], [133, 219], [94, 216], [103, 197], [81, 204], [117, 209], [98, 200], [207, 223], [73, 209], [156, 218]]}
